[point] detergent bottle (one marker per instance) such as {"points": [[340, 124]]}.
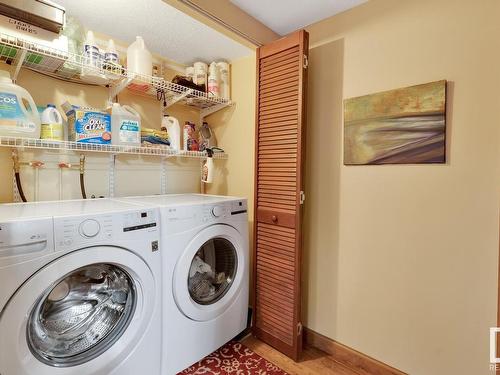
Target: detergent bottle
{"points": [[125, 125], [18, 113], [171, 125]]}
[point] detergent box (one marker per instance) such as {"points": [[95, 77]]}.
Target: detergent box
{"points": [[87, 125]]}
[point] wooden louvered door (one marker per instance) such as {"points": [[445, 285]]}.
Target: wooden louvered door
{"points": [[280, 132]]}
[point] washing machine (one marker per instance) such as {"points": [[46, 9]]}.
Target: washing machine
{"points": [[206, 266], [80, 289]]}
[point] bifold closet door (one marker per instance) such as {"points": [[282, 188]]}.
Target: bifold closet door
{"points": [[280, 132]]}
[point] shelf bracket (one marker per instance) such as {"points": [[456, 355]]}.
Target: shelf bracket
{"points": [[19, 64], [179, 97], [115, 90], [208, 111]]}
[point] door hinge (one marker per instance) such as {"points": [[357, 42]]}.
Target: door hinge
{"points": [[302, 197], [306, 62], [299, 328]]}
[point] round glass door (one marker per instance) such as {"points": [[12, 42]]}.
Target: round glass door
{"points": [[212, 271], [81, 315]]}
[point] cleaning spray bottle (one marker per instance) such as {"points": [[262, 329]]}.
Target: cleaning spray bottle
{"points": [[207, 175]]}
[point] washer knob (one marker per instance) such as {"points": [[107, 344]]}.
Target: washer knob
{"points": [[90, 228], [217, 211]]}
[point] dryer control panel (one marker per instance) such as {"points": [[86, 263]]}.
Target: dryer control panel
{"points": [[76, 231], [184, 217]]}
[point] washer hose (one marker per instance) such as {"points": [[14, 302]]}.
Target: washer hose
{"points": [[82, 176], [16, 166], [20, 187]]}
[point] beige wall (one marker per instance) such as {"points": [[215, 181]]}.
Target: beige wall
{"points": [[401, 261], [135, 175]]}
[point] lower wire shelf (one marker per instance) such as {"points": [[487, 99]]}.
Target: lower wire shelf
{"points": [[161, 151]]}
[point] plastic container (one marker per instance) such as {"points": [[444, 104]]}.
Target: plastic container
{"points": [[207, 175], [171, 125], [52, 127], [213, 80], [17, 119], [139, 61], [224, 80], [125, 126], [111, 64], [189, 137], [200, 73], [92, 59]]}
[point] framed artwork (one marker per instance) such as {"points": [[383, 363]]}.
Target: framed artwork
{"points": [[402, 126]]}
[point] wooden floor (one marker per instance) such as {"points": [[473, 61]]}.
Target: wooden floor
{"points": [[313, 361]]}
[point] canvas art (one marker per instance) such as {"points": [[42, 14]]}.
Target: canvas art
{"points": [[402, 126]]}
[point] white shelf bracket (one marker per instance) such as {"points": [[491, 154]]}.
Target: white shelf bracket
{"points": [[179, 97], [111, 175], [19, 64], [115, 90], [208, 111]]}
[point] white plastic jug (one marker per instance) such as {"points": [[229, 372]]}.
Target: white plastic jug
{"points": [[125, 125], [171, 125], [140, 61], [52, 124], [18, 113]]}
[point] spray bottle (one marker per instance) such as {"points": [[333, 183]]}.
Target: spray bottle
{"points": [[207, 175]]}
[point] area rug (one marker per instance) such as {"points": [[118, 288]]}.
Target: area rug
{"points": [[236, 359]]}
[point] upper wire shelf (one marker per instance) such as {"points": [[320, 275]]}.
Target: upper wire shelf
{"points": [[73, 67], [162, 151]]}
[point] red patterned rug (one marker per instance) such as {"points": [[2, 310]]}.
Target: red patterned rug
{"points": [[233, 358]]}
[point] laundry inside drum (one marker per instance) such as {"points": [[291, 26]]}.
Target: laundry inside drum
{"points": [[81, 315], [212, 271]]}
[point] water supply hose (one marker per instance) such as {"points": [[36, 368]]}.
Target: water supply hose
{"points": [[16, 166], [82, 176]]}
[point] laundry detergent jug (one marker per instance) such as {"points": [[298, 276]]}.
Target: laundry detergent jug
{"points": [[125, 126], [18, 113]]}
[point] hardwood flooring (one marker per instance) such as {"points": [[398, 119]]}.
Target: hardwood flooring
{"points": [[313, 361]]}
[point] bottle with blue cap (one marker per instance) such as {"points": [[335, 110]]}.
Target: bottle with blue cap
{"points": [[52, 124]]}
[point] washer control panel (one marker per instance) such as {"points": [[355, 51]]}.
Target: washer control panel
{"points": [[82, 230]]}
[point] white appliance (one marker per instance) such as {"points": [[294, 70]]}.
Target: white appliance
{"points": [[80, 289], [205, 282]]}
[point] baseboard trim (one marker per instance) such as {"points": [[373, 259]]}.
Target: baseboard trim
{"points": [[359, 362]]}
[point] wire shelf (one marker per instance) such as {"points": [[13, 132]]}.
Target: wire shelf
{"points": [[161, 151], [79, 68]]}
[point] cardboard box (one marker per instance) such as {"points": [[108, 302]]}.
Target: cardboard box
{"points": [[88, 125]]}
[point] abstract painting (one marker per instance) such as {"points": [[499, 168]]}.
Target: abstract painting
{"points": [[402, 126]]}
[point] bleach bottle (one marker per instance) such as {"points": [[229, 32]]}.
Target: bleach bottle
{"points": [[125, 126], [18, 113], [52, 124]]}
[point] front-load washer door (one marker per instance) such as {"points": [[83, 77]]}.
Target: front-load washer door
{"points": [[83, 313], [210, 273]]}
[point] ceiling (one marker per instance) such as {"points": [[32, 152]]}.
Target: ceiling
{"points": [[285, 16], [166, 30]]}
